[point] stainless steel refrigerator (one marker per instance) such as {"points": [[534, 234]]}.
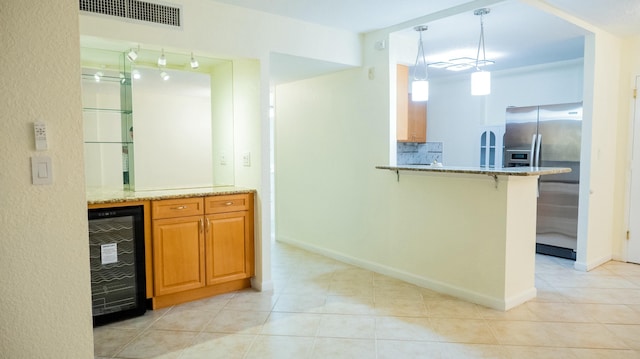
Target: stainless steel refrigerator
{"points": [[549, 136]]}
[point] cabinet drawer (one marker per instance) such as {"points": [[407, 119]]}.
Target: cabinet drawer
{"points": [[231, 203], [171, 208]]}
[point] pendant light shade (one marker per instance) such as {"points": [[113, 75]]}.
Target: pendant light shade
{"points": [[481, 80], [420, 83], [420, 90], [480, 83]]}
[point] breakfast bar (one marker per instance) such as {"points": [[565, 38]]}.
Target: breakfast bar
{"points": [[471, 230]]}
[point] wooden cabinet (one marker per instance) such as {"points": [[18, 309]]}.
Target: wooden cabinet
{"points": [[229, 240], [201, 247], [411, 117]]}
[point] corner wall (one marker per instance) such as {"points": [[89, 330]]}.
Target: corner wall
{"points": [[45, 294]]}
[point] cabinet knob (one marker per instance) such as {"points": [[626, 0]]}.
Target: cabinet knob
{"points": [[229, 203], [179, 207]]}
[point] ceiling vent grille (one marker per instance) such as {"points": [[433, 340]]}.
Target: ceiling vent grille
{"points": [[135, 10]]}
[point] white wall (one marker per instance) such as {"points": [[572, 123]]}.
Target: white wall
{"points": [[452, 106], [45, 296]]}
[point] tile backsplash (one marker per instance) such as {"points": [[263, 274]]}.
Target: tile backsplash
{"points": [[411, 153]]}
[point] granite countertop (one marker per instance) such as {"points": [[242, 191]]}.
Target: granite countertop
{"points": [[507, 171], [101, 196]]}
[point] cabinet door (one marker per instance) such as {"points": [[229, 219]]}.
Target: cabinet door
{"points": [[178, 254], [417, 121], [229, 246]]}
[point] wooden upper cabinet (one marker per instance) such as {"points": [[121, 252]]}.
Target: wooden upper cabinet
{"points": [[411, 125]]}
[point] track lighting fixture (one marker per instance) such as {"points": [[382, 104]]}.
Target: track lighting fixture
{"points": [[135, 74], [194, 62], [165, 76], [162, 61]]}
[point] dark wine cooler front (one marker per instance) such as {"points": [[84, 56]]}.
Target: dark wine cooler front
{"points": [[116, 241]]}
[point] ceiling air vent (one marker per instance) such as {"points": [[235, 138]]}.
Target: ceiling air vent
{"points": [[135, 10]]}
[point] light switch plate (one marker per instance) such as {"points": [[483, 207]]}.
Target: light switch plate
{"points": [[246, 159], [41, 170]]}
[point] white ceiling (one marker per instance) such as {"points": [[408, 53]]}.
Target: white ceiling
{"points": [[516, 34]]}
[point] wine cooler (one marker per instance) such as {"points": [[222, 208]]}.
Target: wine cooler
{"points": [[116, 245]]}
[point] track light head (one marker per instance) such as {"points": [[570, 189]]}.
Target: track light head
{"points": [[162, 61], [132, 55], [194, 62], [98, 75], [165, 76]]}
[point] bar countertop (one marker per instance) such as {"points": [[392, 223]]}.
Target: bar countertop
{"points": [[102, 196], [507, 171]]}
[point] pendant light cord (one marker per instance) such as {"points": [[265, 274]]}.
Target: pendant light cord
{"points": [[481, 43], [420, 53]]}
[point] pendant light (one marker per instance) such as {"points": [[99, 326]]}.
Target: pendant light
{"points": [[420, 83], [481, 80]]}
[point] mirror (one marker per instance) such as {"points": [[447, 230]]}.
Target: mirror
{"points": [[146, 132]]}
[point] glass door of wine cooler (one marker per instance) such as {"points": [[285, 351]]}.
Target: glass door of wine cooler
{"points": [[116, 245]]}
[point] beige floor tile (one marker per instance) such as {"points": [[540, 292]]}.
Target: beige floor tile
{"points": [[110, 340], [520, 312], [405, 328], [183, 319], [558, 312], [526, 352], [475, 331], [630, 334], [354, 275], [312, 286], [239, 322], [158, 344], [141, 322], [474, 351], [523, 333], [389, 292], [293, 324], [280, 347], [428, 294], [349, 305], [611, 313], [347, 326], [252, 300], [400, 307], [346, 288], [605, 354], [583, 335], [339, 348], [218, 346], [213, 304], [452, 309], [550, 295], [300, 303], [402, 349]]}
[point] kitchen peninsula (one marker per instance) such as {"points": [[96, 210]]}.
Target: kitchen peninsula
{"points": [[472, 231]]}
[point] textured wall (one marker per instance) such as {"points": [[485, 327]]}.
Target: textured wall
{"points": [[45, 308]]}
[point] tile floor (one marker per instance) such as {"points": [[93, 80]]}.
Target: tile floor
{"points": [[321, 308]]}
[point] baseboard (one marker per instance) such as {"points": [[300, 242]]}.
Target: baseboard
{"points": [[261, 286], [585, 267], [435, 285]]}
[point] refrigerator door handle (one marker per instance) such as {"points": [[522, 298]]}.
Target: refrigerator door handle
{"points": [[532, 159], [538, 144]]}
